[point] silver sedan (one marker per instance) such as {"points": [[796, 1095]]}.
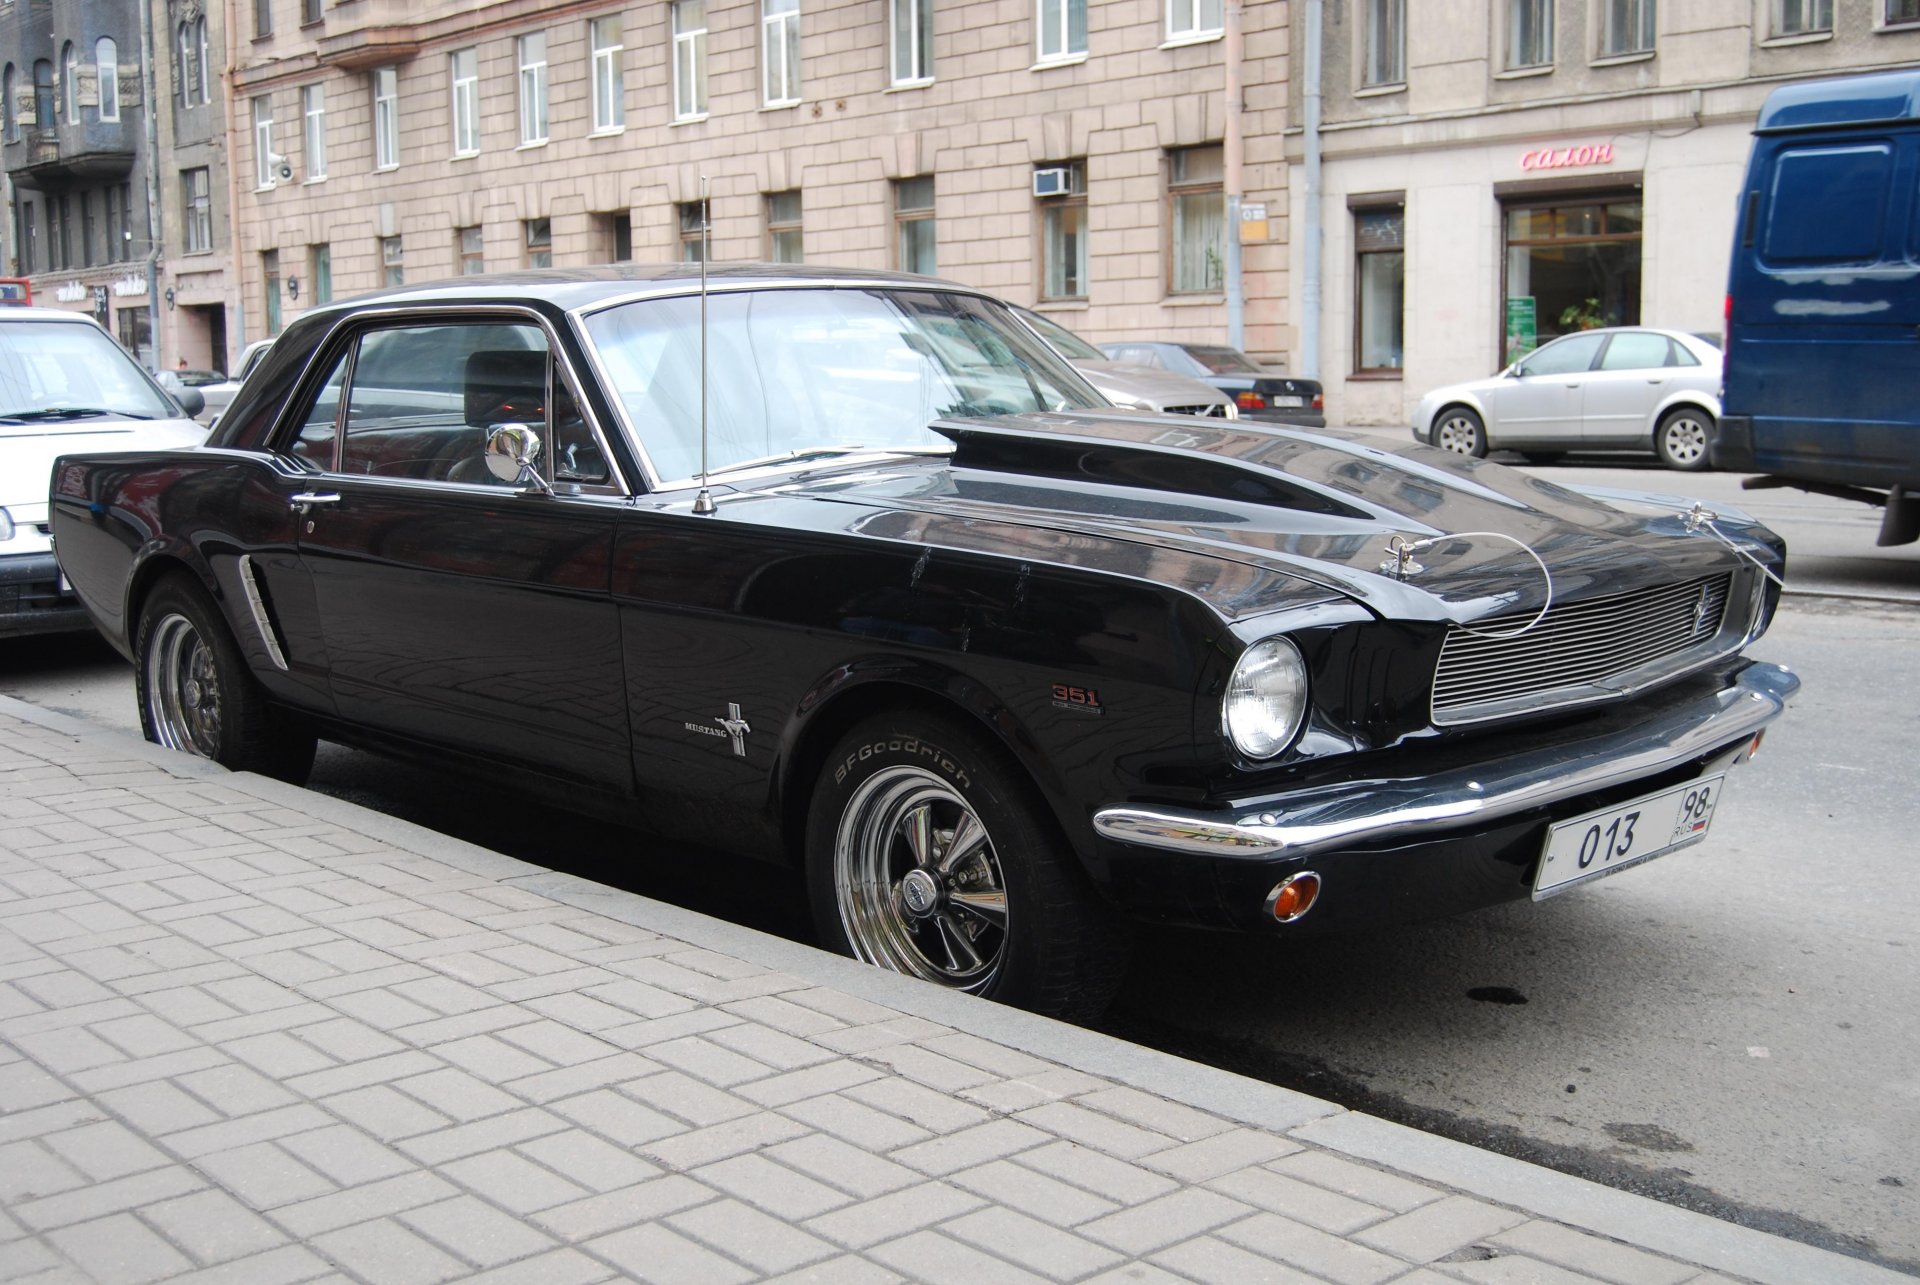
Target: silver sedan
{"points": [[1629, 388]]}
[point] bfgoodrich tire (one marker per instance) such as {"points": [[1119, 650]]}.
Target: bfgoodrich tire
{"points": [[197, 695], [927, 854]]}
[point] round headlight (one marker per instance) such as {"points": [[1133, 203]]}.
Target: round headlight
{"points": [[1267, 698]]}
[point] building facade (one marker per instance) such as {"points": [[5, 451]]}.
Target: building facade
{"points": [[1064, 153], [196, 289], [1499, 172], [73, 135]]}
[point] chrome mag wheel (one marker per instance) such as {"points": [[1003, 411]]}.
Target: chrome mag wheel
{"points": [[183, 687], [1460, 431], [1683, 440], [918, 881]]}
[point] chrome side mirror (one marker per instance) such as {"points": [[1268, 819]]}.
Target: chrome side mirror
{"points": [[512, 452]]}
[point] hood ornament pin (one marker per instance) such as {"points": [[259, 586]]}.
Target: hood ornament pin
{"points": [[1400, 564]]}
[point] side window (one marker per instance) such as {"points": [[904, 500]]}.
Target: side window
{"points": [[1828, 205], [1637, 350], [1565, 356], [315, 441], [577, 457]]}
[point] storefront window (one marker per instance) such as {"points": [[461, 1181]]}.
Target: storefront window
{"points": [[1570, 267], [1380, 284]]}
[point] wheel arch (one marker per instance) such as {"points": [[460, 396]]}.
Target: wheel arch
{"points": [[1686, 399], [155, 565]]}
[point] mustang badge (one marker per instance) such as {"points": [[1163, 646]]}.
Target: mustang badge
{"points": [[733, 727]]}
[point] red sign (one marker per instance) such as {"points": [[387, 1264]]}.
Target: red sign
{"points": [[1560, 158]]}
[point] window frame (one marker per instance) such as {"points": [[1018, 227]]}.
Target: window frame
{"points": [[106, 75], [903, 215], [689, 60], [187, 64], [692, 235], [1383, 44], [320, 273], [1178, 187], [313, 129], [1360, 313], [1815, 19], [780, 51], [464, 88], [1062, 31], [310, 12], [919, 33], [262, 19], [1186, 21], [1628, 29], [608, 74], [536, 242], [263, 153], [779, 226], [70, 82], [393, 261], [1053, 210], [384, 83], [1891, 23], [472, 259], [535, 121], [1541, 18], [197, 209]]}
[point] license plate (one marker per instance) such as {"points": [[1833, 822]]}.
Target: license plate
{"points": [[1604, 842], [1284, 400]]}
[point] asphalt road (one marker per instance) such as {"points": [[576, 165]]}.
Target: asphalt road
{"points": [[1735, 1028]]}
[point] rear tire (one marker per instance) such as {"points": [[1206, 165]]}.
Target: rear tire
{"points": [[197, 695], [927, 855], [1461, 431], [1682, 438]]}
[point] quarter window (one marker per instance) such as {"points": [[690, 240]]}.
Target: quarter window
{"points": [[1380, 294], [783, 227], [464, 68], [1063, 237], [913, 224], [313, 107], [689, 59], [1628, 27], [1384, 51], [1190, 19], [1529, 33], [533, 88], [386, 117], [1199, 217], [1062, 28], [609, 77], [911, 24], [780, 52]]}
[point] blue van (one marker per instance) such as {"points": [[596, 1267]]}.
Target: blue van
{"points": [[1822, 371]]}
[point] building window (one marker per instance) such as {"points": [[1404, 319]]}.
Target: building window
{"points": [[1570, 266], [114, 244], [187, 64], [86, 230], [1628, 27], [200, 57], [783, 228], [70, 82], [692, 233], [1380, 289], [12, 122], [780, 52], [609, 78], [1529, 33], [1193, 19], [26, 238], [1195, 178], [263, 141], [313, 110], [136, 333], [689, 59], [43, 93], [1384, 51], [463, 67], [1802, 17], [911, 23], [472, 251], [320, 273], [62, 239], [1063, 236], [196, 192], [615, 237], [386, 117], [1903, 13], [1062, 27], [393, 270], [309, 12], [539, 241], [913, 228], [262, 18], [270, 273], [533, 88], [106, 60]]}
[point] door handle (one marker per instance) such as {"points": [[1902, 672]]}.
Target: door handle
{"points": [[305, 501]]}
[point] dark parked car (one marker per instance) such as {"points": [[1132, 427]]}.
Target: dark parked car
{"points": [[992, 663], [1263, 394]]}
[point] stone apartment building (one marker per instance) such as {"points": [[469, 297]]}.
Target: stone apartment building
{"points": [[1064, 153], [1498, 172]]}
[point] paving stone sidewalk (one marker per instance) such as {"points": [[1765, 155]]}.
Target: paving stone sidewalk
{"points": [[251, 1034]]}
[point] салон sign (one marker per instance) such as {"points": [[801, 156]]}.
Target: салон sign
{"points": [[1560, 158]]}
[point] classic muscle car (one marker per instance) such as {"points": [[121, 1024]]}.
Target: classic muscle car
{"points": [[849, 569]]}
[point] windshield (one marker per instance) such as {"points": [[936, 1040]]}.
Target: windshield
{"points": [[65, 366], [1071, 346], [1222, 361], [802, 372]]}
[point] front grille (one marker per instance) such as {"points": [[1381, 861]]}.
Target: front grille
{"points": [[1211, 408], [1580, 651]]}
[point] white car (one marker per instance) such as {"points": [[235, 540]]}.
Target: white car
{"points": [[66, 388], [1625, 388], [220, 395]]}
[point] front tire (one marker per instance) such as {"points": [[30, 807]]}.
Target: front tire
{"points": [[1682, 438], [928, 856], [1461, 431], [197, 695]]}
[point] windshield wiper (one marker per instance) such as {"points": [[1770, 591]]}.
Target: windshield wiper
{"points": [[793, 457], [68, 412]]}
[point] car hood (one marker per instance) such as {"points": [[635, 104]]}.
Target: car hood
{"points": [[1137, 385], [1300, 513], [27, 452]]}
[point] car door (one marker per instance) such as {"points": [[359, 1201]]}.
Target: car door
{"points": [[1635, 373], [1539, 401], [458, 609]]}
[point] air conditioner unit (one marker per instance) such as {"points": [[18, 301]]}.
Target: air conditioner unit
{"points": [[1057, 181]]}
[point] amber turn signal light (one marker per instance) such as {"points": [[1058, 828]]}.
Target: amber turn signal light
{"points": [[1293, 896]]}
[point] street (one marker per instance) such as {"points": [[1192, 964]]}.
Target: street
{"points": [[1730, 1029]]}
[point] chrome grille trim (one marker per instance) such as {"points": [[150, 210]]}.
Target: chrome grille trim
{"points": [[1585, 651]]}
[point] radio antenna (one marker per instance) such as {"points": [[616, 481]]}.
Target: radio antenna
{"points": [[703, 502]]}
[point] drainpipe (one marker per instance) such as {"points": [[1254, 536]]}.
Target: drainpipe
{"points": [[1310, 278], [150, 109], [1235, 180], [236, 255]]}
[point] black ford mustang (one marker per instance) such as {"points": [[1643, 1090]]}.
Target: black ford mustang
{"points": [[850, 569]]}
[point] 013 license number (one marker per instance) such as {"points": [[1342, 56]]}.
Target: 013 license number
{"points": [[1603, 842]]}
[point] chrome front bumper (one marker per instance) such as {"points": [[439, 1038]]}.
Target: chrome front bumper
{"points": [[1352, 813]]}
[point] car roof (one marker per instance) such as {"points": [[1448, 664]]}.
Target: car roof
{"points": [[575, 288], [47, 314]]}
